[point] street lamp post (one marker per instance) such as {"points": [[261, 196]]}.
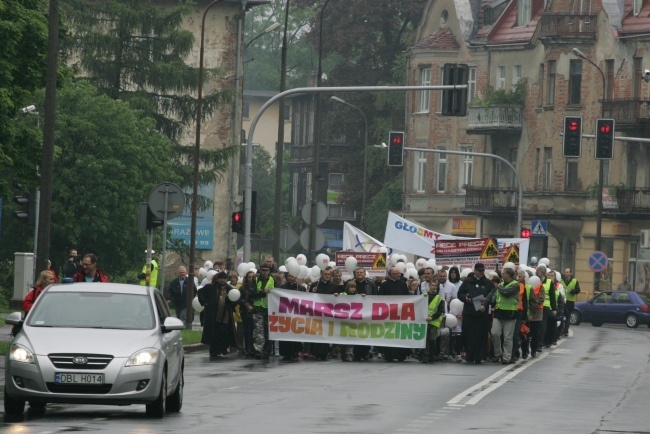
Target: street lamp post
{"points": [[601, 172], [195, 182], [316, 154], [365, 157], [269, 29]]}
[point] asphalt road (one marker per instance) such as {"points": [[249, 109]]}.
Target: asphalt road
{"points": [[597, 381]]}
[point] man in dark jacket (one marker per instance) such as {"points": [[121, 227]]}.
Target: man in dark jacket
{"points": [[219, 328], [364, 285], [476, 321], [90, 272], [324, 285], [176, 293], [394, 285], [288, 349]]}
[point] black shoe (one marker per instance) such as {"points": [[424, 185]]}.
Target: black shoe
{"points": [[478, 362]]}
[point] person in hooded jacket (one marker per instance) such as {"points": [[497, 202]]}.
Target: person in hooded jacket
{"points": [[476, 322]]}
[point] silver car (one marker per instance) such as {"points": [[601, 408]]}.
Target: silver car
{"points": [[96, 343]]}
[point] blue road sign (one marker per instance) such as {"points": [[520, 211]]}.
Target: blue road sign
{"points": [[538, 228], [597, 261]]}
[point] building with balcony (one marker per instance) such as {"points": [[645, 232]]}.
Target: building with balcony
{"points": [[524, 77]]}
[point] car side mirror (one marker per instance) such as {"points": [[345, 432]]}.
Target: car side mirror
{"points": [[172, 323], [14, 318]]}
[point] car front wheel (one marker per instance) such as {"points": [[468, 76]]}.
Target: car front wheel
{"points": [[13, 406], [157, 408], [631, 321], [175, 401], [575, 318]]}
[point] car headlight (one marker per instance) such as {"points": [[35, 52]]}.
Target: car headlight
{"points": [[21, 354], [148, 356]]}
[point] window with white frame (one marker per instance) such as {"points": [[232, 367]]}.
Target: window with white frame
{"points": [[294, 195], [466, 168], [575, 81], [636, 6], [524, 12], [308, 188], [419, 171], [548, 168], [516, 74], [471, 84], [425, 80], [442, 81], [441, 173], [501, 77], [340, 212], [572, 174]]}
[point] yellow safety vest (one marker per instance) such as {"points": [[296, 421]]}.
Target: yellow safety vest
{"points": [[264, 301], [433, 308]]}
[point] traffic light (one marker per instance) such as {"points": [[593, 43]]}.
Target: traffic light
{"points": [[525, 233], [572, 139], [237, 224], [27, 202], [605, 139], [395, 148], [454, 101], [146, 218]]}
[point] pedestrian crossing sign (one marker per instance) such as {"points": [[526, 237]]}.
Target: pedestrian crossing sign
{"points": [[538, 228]]}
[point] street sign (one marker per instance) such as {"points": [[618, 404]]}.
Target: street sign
{"points": [[288, 237], [175, 201], [539, 228], [597, 261], [319, 242], [321, 213]]}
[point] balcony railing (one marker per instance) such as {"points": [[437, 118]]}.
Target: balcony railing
{"points": [[567, 25], [490, 200], [628, 111], [633, 200], [494, 119]]}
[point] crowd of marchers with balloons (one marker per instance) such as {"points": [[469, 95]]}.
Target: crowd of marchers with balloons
{"points": [[475, 314]]}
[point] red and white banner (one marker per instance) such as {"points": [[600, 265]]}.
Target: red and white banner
{"points": [[374, 263], [385, 321]]}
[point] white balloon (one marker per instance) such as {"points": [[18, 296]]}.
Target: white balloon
{"points": [[412, 272], [302, 259], [394, 258], [431, 263], [403, 258], [290, 259], [451, 321], [234, 294], [203, 272], [283, 269], [304, 272], [243, 268], [294, 268], [315, 271], [465, 272], [401, 267], [534, 281], [383, 249], [350, 263], [254, 270], [510, 265], [410, 265], [456, 307], [443, 331], [208, 264], [211, 274], [251, 265], [345, 277], [558, 276], [421, 263], [196, 305], [331, 264], [322, 261], [545, 261]]}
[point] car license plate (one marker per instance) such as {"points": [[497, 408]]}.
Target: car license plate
{"points": [[78, 378]]}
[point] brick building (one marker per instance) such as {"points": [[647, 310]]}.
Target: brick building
{"points": [[524, 77]]}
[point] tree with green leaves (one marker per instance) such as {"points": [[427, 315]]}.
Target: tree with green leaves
{"points": [[109, 158], [23, 32]]}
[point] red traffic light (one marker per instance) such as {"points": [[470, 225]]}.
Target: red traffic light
{"points": [[525, 233], [397, 139], [236, 217], [574, 125], [605, 128]]}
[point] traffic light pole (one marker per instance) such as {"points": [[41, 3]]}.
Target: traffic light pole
{"points": [[496, 157], [248, 191]]}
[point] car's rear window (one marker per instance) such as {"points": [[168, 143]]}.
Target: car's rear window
{"points": [[645, 297], [93, 310]]}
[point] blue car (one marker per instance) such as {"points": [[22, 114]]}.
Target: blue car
{"points": [[616, 307]]}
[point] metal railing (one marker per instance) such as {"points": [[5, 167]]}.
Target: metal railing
{"points": [[496, 117], [567, 25], [633, 200], [490, 199]]}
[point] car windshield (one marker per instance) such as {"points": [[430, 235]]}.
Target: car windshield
{"points": [[93, 310], [645, 297]]}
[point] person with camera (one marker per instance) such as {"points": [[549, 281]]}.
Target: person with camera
{"points": [[73, 265]]}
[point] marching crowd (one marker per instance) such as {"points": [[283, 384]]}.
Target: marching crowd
{"points": [[473, 315]]}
